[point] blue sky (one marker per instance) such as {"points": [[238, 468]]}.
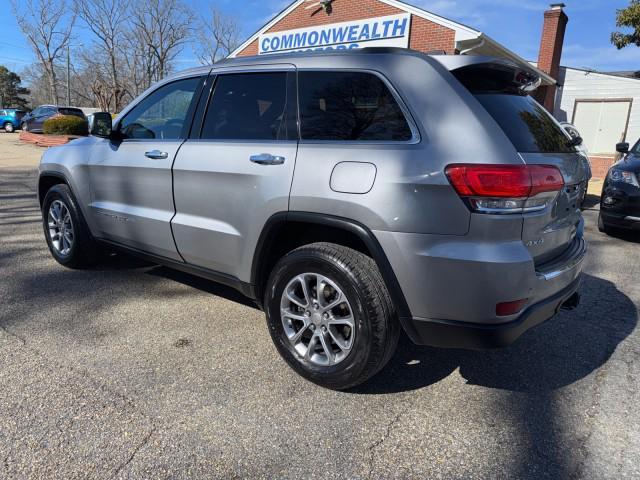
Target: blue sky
{"points": [[515, 23]]}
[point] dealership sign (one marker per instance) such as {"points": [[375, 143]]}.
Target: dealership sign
{"points": [[391, 31]]}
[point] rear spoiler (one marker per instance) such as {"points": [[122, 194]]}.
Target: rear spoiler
{"points": [[497, 73]]}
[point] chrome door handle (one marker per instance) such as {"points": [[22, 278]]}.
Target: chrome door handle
{"points": [[267, 159], [156, 155]]}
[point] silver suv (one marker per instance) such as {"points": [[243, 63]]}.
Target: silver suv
{"points": [[351, 195]]}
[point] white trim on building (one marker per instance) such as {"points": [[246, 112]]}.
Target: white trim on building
{"points": [[606, 93]]}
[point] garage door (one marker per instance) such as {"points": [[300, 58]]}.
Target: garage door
{"points": [[602, 124]]}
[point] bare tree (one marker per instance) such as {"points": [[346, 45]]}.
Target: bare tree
{"points": [[107, 20], [47, 25], [218, 36], [163, 26]]}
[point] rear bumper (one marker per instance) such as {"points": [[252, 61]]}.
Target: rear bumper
{"points": [[453, 287], [452, 334]]}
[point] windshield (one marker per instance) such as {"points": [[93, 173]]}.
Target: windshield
{"points": [[636, 148], [528, 125]]}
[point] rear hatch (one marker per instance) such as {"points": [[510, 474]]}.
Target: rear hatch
{"points": [[503, 90]]}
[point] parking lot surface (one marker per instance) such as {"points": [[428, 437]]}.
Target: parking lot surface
{"points": [[136, 371]]}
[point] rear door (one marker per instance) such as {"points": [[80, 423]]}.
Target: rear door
{"points": [[236, 170], [131, 183]]}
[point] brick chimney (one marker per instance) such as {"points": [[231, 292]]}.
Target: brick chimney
{"points": [[555, 25]]}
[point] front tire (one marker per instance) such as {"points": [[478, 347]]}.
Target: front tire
{"points": [[8, 127], [66, 231], [330, 315]]}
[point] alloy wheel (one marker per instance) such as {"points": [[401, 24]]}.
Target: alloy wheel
{"points": [[318, 319], [60, 225]]}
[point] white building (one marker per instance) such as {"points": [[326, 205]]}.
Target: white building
{"points": [[604, 107]]}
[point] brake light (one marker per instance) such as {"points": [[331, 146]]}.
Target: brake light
{"points": [[506, 188]]}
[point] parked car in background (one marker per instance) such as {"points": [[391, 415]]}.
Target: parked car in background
{"points": [[324, 188], [620, 203], [11, 118], [34, 121], [582, 148]]}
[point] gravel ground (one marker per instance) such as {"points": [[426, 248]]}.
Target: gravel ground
{"points": [[135, 371]]}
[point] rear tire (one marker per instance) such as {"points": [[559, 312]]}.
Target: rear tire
{"points": [[8, 127], [345, 352], [66, 230]]}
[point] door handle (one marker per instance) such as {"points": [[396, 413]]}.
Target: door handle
{"points": [[267, 159], [156, 155]]}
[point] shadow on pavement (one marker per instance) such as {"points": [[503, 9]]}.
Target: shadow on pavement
{"points": [[556, 354]]}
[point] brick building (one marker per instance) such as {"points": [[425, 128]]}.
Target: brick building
{"points": [[606, 108], [344, 24]]}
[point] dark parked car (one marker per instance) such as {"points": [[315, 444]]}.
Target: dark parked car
{"points": [[10, 119], [620, 204], [34, 121]]}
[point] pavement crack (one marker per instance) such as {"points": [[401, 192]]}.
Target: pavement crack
{"points": [[372, 448], [139, 447]]}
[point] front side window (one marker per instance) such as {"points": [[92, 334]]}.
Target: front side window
{"points": [[250, 106], [355, 106], [163, 114]]}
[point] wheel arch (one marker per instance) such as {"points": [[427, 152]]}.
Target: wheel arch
{"points": [[47, 180], [286, 231]]}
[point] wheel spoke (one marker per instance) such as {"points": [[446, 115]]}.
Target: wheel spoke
{"points": [[336, 302], [326, 346], [305, 290], [320, 282], [296, 338], [294, 316], [295, 300], [342, 321], [311, 347]]}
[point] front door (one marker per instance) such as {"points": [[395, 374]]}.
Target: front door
{"points": [[131, 184], [230, 178]]}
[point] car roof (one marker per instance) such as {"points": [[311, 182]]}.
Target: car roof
{"points": [[450, 62]]}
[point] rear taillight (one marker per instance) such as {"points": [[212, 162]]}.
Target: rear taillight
{"points": [[506, 188]]}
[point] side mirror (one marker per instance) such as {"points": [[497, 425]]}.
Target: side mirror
{"points": [[576, 141], [622, 147], [100, 124]]}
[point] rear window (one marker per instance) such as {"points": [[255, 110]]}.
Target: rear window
{"points": [[501, 88], [528, 125], [71, 111]]}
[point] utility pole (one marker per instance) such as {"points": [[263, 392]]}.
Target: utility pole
{"points": [[68, 76]]}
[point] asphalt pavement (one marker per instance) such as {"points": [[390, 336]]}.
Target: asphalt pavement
{"points": [[135, 371]]}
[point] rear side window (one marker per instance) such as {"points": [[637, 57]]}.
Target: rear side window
{"points": [[76, 112], [250, 106], [528, 125], [349, 106]]}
